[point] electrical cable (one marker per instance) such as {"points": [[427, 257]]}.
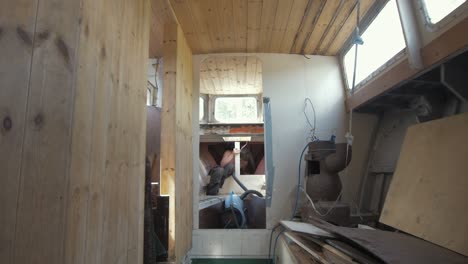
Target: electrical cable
{"points": [[274, 248], [239, 182], [312, 127], [245, 145], [298, 181], [271, 237]]}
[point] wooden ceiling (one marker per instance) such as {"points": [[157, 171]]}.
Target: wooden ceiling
{"points": [[231, 75], [318, 27]]}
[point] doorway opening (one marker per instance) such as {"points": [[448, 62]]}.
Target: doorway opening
{"points": [[232, 181]]}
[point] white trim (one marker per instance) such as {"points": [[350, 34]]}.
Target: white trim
{"points": [[431, 27]]}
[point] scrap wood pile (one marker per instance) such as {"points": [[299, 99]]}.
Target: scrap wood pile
{"points": [[321, 242]]}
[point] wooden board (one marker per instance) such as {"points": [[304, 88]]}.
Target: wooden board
{"points": [[17, 20], [72, 79], [427, 196], [318, 250], [306, 228], [393, 247], [176, 133], [219, 26]]}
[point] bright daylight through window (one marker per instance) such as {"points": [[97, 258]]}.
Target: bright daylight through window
{"points": [[201, 109], [383, 39], [436, 10], [236, 109]]}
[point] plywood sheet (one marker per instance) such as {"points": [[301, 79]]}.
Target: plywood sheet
{"points": [[306, 228], [393, 247], [428, 195]]}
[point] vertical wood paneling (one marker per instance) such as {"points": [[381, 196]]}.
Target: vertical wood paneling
{"points": [[44, 176], [176, 133], [168, 126], [82, 168], [17, 23], [184, 152]]}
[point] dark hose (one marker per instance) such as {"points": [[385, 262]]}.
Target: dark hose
{"points": [[250, 192], [246, 191], [239, 182]]}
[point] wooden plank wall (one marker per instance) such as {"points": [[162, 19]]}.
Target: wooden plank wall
{"points": [[427, 196], [72, 144], [176, 135]]}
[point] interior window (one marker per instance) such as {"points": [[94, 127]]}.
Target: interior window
{"points": [[201, 109], [383, 39], [148, 96], [436, 10], [236, 109]]}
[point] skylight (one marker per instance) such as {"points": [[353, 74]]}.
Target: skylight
{"points": [[383, 39], [437, 10]]}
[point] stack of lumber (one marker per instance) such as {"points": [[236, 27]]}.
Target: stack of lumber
{"points": [[322, 242], [306, 243]]}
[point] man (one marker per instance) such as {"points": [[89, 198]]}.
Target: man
{"points": [[225, 169]]}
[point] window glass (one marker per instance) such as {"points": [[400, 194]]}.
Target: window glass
{"points": [[201, 109], [148, 96], [236, 109], [383, 39], [436, 10]]}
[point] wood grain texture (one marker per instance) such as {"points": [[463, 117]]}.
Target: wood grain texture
{"points": [[231, 75], [78, 71], [17, 25], [161, 13], [270, 26], [427, 196], [176, 133]]}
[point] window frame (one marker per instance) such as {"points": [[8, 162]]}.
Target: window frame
{"points": [[257, 97], [432, 27], [206, 113], [364, 25]]}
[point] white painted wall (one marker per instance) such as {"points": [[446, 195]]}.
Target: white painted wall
{"points": [[287, 80]]}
